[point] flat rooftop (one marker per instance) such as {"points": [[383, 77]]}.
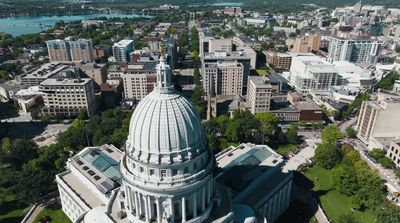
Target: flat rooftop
{"points": [[244, 164], [260, 81], [99, 165], [65, 81], [45, 71]]}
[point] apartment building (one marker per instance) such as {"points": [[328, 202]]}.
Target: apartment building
{"points": [[122, 50], [139, 80], [307, 44], [70, 50], [259, 93], [98, 72], [225, 76], [67, 94], [354, 50], [278, 60]]}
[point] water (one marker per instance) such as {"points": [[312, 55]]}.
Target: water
{"points": [[35, 24]]}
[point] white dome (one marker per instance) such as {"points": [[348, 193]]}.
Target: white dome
{"points": [[165, 127]]}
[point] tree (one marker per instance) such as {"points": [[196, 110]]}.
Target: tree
{"points": [[347, 218], [345, 180], [351, 133], [377, 154], [327, 155], [269, 121], [18, 152], [291, 134], [388, 214], [386, 163], [357, 202], [331, 134]]}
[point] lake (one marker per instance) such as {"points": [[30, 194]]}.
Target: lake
{"points": [[35, 24]]}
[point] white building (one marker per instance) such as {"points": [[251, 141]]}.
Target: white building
{"points": [[122, 49], [167, 172], [352, 50]]}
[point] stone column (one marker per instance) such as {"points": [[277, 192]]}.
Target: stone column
{"points": [[146, 209], [172, 209], [136, 203], [158, 210], [203, 199], [209, 192], [183, 209], [194, 204], [149, 206]]}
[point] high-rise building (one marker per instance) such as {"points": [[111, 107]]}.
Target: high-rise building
{"points": [[139, 80], [122, 50], [377, 119], [166, 173], [171, 50], [68, 94], [213, 59], [58, 50], [70, 50], [81, 50], [98, 72], [211, 44], [307, 44], [227, 77], [354, 50], [259, 94]]}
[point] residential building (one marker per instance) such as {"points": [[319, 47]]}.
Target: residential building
{"points": [[80, 50], [226, 76], [259, 93], [139, 80], [279, 60], [122, 49], [168, 173], [354, 50], [221, 57], [307, 44], [377, 119], [58, 50], [68, 94], [233, 11]]}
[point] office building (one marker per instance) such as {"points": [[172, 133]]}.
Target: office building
{"points": [[98, 72], [36, 75], [210, 44], [171, 46], [307, 44], [377, 119], [393, 152], [68, 94], [259, 93], [168, 173], [139, 80], [122, 50], [354, 50]]}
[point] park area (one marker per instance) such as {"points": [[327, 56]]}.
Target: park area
{"points": [[54, 213], [335, 204]]}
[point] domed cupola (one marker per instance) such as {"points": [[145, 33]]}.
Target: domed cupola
{"points": [[167, 166]]}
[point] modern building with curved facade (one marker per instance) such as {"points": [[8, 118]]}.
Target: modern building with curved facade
{"points": [[167, 172]]}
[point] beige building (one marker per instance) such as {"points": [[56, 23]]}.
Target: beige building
{"points": [[98, 72], [223, 77], [394, 152], [279, 60], [139, 80], [377, 119], [58, 50], [70, 50], [81, 50], [259, 94], [306, 44], [210, 44], [66, 96], [36, 75]]}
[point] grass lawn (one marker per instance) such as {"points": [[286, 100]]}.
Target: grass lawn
{"points": [[286, 149], [262, 72], [334, 203], [57, 215], [12, 211]]}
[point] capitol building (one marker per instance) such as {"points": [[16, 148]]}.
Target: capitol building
{"points": [[167, 173]]}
